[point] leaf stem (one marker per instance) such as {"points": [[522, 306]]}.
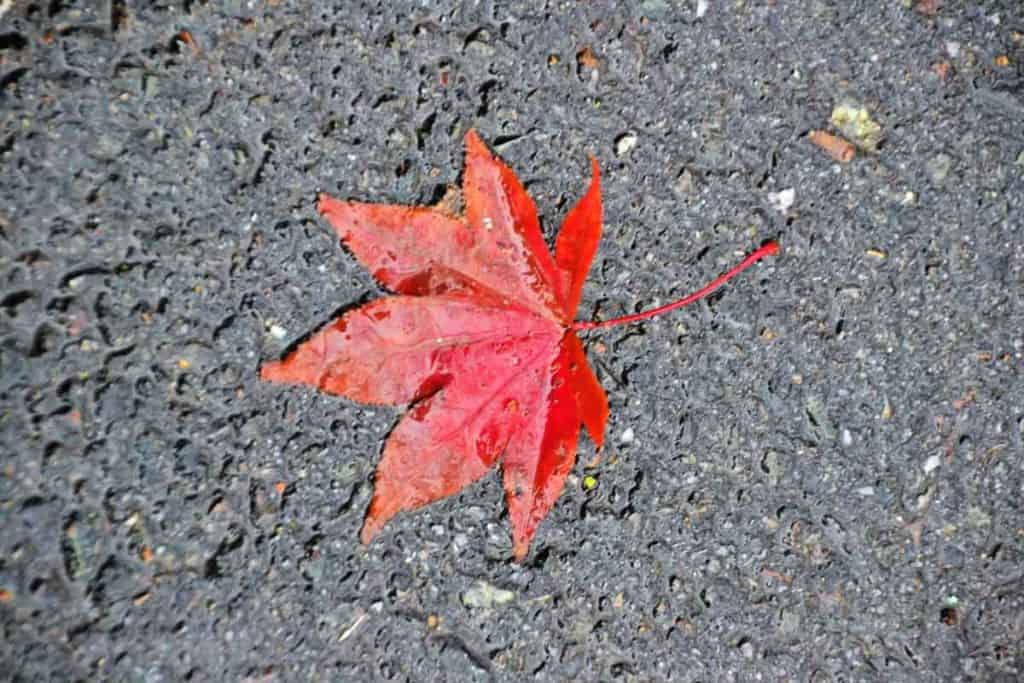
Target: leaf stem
{"points": [[766, 249]]}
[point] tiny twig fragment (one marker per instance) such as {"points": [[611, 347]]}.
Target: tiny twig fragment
{"points": [[836, 147], [186, 38]]}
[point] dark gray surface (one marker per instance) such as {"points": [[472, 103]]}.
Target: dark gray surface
{"points": [[772, 517]]}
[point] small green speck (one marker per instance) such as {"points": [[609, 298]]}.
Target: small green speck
{"points": [[589, 482]]}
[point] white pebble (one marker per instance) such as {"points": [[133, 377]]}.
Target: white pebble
{"points": [[782, 200], [625, 143], [627, 437]]}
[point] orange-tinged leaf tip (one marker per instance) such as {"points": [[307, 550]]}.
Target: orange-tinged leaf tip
{"points": [[520, 548], [372, 525], [475, 147], [272, 372], [382, 509], [325, 203]]}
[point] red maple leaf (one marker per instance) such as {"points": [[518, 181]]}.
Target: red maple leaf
{"points": [[479, 339]]}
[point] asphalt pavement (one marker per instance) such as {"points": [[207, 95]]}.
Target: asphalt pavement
{"points": [[814, 475]]}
